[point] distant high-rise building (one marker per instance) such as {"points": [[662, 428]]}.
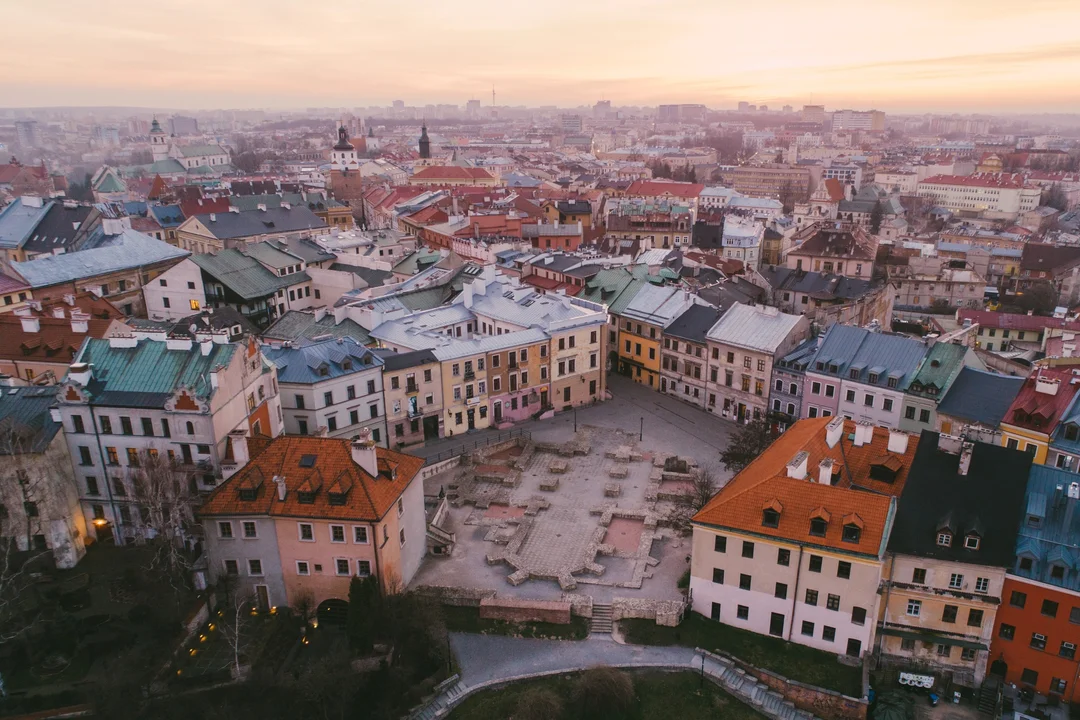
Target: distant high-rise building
{"points": [[472, 107], [813, 113], [788, 108], [425, 143], [752, 108], [399, 104], [26, 133], [763, 108], [867, 121], [744, 106], [182, 125], [688, 113], [571, 123], [602, 109]]}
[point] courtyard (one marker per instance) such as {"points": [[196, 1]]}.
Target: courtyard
{"points": [[586, 511]]}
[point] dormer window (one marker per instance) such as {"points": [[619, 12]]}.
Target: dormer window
{"points": [[818, 526], [247, 494], [346, 364], [770, 518], [1057, 572], [971, 542], [854, 374], [944, 539], [336, 499], [324, 370], [1072, 432], [893, 382], [852, 533], [834, 369], [872, 378], [305, 498]]}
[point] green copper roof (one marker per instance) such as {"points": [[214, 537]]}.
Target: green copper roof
{"points": [[150, 367]]}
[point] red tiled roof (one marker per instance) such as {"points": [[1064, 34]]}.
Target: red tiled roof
{"points": [[367, 498], [740, 503], [1009, 181], [202, 206], [1041, 411], [655, 188], [835, 189], [55, 342], [452, 172], [158, 189], [1014, 321]]}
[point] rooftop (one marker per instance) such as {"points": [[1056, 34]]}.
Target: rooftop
{"points": [[980, 397], [322, 360], [252, 223], [26, 425], [103, 255], [757, 327], [1048, 538]]}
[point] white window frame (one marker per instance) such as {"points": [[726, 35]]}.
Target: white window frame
{"points": [[915, 605], [367, 535], [400, 507], [402, 537], [982, 585], [243, 529], [262, 570], [359, 573], [342, 541], [956, 581], [300, 531], [307, 567], [337, 567], [228, 524]]}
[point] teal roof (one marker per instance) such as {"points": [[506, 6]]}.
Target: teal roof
{"points": [[150, 369], [168, 166], [615, 287], [939, 368], [110, 183], [201, 150], [297, 325], [244, 275], [416, 262], [267, 254]]}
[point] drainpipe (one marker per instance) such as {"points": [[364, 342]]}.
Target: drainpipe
{"points": [[795, 594]]}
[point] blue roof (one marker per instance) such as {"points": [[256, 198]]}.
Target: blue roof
{"points": [[980, 397], [25, 412], [167, 216], [1071, 416], [135, 207], [104, 254], [1049, 534], [319, 361], [845, 346], [17, 222]]}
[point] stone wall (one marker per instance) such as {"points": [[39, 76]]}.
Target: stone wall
{"points": [[668, 613], [580, 605], [459, 596], [432, 470], [549, 611]]}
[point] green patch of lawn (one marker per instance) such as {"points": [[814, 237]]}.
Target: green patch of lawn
{"points": [[659, 695], [467, 619], [793, 661]]}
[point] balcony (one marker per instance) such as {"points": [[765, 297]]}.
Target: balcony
{"points": [[470, 375], [411, 388]]}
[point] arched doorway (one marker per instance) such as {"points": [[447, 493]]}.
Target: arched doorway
{"points": [[333, 612]]}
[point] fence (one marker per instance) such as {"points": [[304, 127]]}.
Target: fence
{"points": [[468, 445]]}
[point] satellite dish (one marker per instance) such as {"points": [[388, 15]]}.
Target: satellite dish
{"points": [[192, 328]]}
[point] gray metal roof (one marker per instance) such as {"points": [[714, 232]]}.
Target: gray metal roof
{"points": [[400, 361], [25, 418], [128, 250], [17, 222], [299, 325], [980, 397], [232, 225], [320, 361], [694, 324], [757, 327], [244, 275], [845, 346]]}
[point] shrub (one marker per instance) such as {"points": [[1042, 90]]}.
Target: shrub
{"points": [[539, 704], [603, 693]]}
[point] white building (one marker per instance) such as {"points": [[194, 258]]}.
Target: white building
{"points": [[176, 293], [994, 195], [742, 241]]}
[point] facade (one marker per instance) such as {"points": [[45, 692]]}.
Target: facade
{"points": [[743, 347], [176, 293], [412, 386], [786, 395], [931, 383], [742, 240], [519, 377], [134, 395], [684, 364], [641, 328], [791, 547], [951, 544], [645, 225], [235, 278], [833, 248], [305, 515], [331, 388], [236, 228], [1037, 410], [771, 180], [991, 195]]}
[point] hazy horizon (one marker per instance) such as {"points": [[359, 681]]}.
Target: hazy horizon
{"points": [[914, 56]]}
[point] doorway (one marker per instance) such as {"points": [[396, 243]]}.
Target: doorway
{"points": [[498, 412], [431, 427], [776, 625], [262, 598], [471, 414]]}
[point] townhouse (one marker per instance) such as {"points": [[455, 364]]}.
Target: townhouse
{"points": [[932, 380], [861, 374], [1064, 451], [331, 387], [975, 404], [830, 247], [950, 546], [684, 363], [519, 379], [742, 241], [826, 299], [743, 347], [412, 386], [1037, 627], [793, 545], [786, 395], [235, 228], [234, 278], [130, 396], [304, 515], [641, 327], [1037, 410]]}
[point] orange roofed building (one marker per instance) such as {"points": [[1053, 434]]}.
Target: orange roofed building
{"points": [[307, 514], [793, 546]]}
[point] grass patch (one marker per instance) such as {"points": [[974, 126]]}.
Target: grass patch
{"points": [[659, 695], [793, 661], [467, 619]]}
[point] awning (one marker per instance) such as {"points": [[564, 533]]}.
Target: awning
{"points": [[930, 637]]}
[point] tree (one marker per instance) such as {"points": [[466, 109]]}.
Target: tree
{"points": [[603, 693], [365, 613], [1054, 196], [166, 500], [1041, 297], [876, 216], [247, 162], [688, 505], [232, 629], [747, 443], [539, 704]]}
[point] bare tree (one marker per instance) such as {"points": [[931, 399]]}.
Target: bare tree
{"points": [[688, 505], [166, 503], [232, 629]]}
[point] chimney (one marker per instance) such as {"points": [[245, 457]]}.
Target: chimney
{"points": [[1045, 385], [262, 207], [467, 295], [965, 457], [864, 433], [80, 373], [30, 324], [363, 453], [824, 475], [240, 457], [213, 217], [123, 341], [898, 442], [69, 299], [58, 311], [797, 467], [80, 322], [279, 481], [834, 431]]}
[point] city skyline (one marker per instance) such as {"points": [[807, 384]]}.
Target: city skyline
{"points": [[279, 55]]}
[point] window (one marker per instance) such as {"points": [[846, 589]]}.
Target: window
{"points": [[924, 415], [1018, 599], [250, 531], [815, 388], [225, 529], [886, 404], [956, 581], [92, 487], [1038, 641], [307, 532], [363, 568], [84, 456], [125, 426], [783, 557], [982, 585], [832, 602], [858, 615], [401, 536], [1006, 632], [818, 526], [948, 614], [1049, 608], [1057, 686], [147, 427], [850, 396], [328, 398], [744, 581], [914, 607], [909, 413], [302, 567], [341, 566], [1067, 650], [808, 628], [944, 539], [77, 424], [720, 544], [843, 569], [337, 533], [944, 650], [975, 618], [742, 612], [1074, 616], [828, 634], [868, 400], [255, 567], [747, 549], [1029, 676], [781, 591], [718, 576], [811, 597], [770, 518], [231, 567], [815, 563]]}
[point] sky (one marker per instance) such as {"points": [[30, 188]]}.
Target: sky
{"points": [[900, 56]]}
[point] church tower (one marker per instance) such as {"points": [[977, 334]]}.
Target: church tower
{"points": [[343, 154], [159, 142], [425, 143]]}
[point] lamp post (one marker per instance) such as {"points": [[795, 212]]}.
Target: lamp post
{"points": [[641, 430]]}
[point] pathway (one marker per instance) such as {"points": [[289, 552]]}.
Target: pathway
{"points": [[490, 660]]}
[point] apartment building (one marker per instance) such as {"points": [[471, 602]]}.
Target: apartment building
{"points": [[141, 394], [838, 248], [772, 180], [975, 404], [743, 347], [331, 387], [1037, 627], [305, 515], [953, 540], [1037, 410], [788, 375], [742, 240], [931, 383], [793, 545], [412, 386], [235, 228], [684, 363], [638, 225], [991, 195], [641, 328]]}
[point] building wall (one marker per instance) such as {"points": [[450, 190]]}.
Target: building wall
{"points": [[263, 547], [398, 405], [684, 370], [639, 351], [1020, 438], [180, 287], [517, 390], [577, 364], [458, 408], [825, 401], [316, 414], [885, 408], [321, 554]]}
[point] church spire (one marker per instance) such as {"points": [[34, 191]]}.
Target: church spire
{"points": [[425, 142]]}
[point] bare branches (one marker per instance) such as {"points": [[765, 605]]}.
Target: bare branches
{"points": [[165, 502]]}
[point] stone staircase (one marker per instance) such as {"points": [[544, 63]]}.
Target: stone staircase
{"points": [[450, 691], [601, 621], [990, 695], [750, 690]]}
